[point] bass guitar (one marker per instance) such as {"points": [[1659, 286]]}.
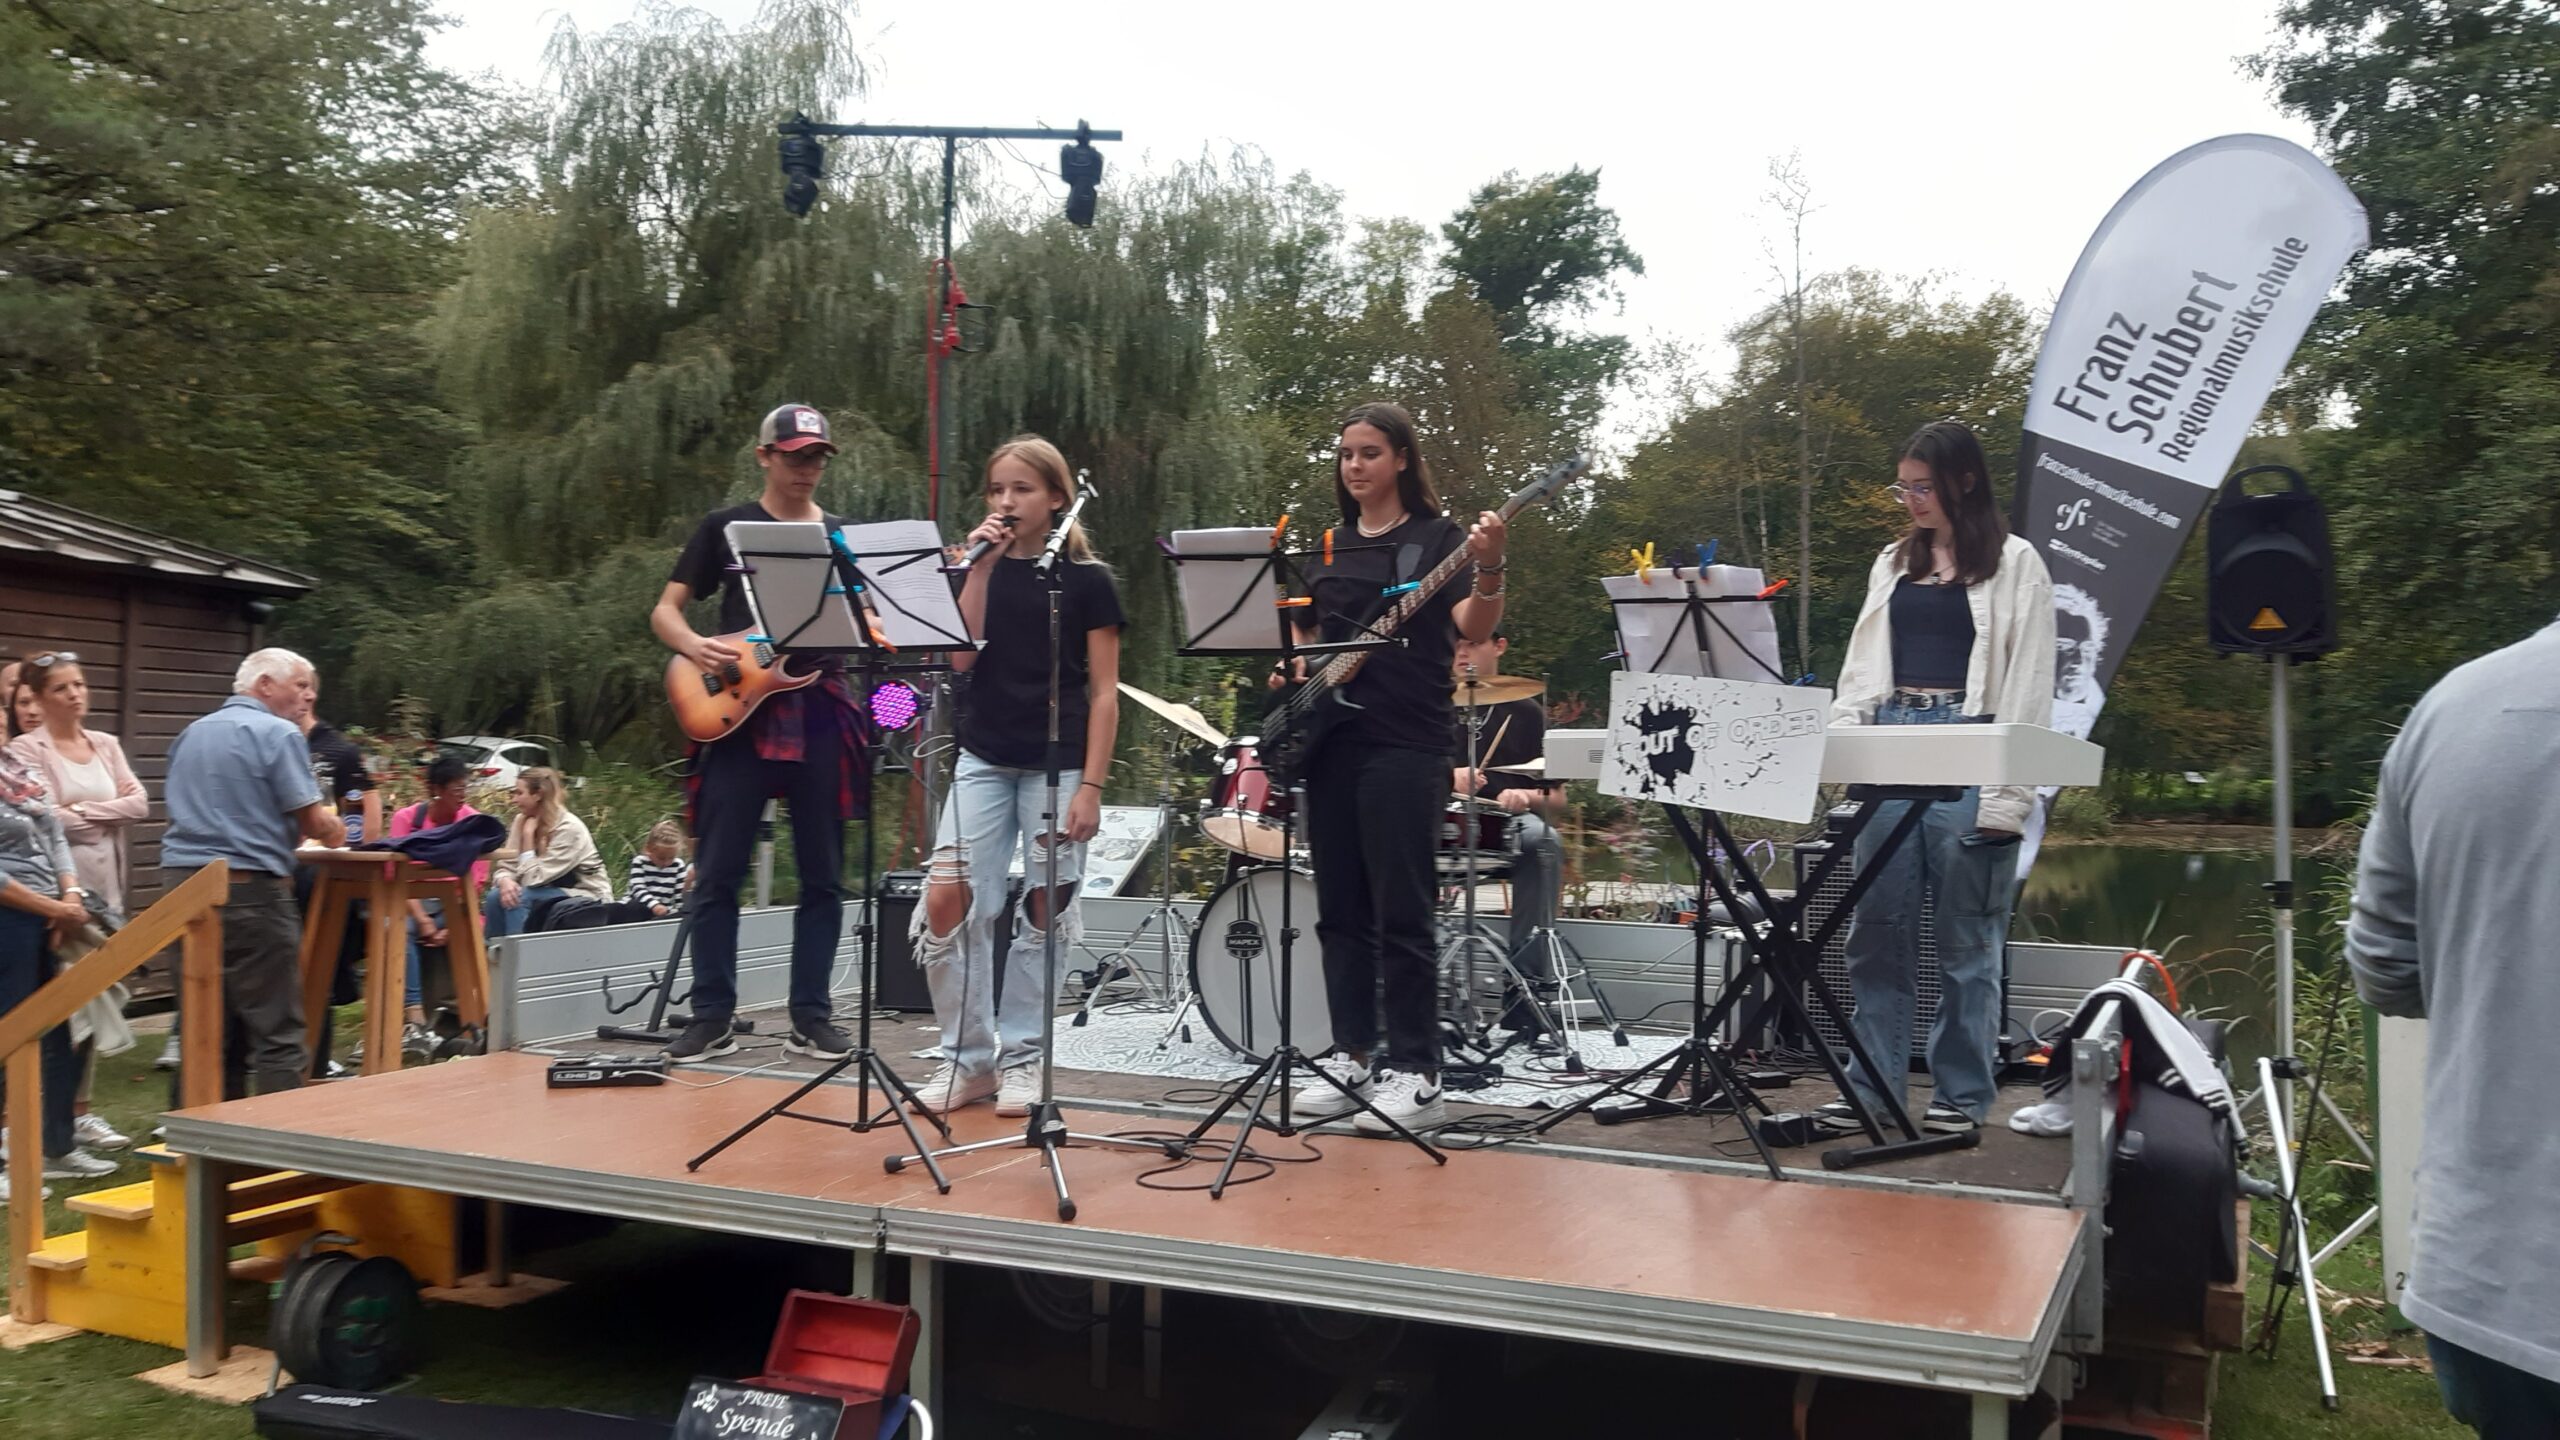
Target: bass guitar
{"points": [[1296, 728], [709, 704]]}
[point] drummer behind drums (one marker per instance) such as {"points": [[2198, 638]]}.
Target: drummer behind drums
{"points": [[1513, 732]]}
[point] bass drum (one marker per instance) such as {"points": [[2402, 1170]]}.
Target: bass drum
{"points": [[1235, 964]]}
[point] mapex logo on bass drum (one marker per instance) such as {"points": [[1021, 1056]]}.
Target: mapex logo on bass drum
{"points": [[1244, 939]]}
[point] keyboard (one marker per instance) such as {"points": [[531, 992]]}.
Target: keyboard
{"points": [[1899, 755]]}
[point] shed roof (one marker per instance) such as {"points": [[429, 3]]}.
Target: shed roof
{"points": [[29, 525]]}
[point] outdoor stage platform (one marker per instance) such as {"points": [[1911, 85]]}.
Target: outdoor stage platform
{"points": [[1974, 1272]]}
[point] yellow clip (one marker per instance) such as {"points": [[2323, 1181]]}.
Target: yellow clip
{"points": [[1644, 562]]}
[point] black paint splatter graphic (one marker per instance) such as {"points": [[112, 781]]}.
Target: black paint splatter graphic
{"points": [[1665, 731]]}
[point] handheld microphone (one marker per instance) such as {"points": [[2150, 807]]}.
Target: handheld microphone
{"points": [[979, 551]]}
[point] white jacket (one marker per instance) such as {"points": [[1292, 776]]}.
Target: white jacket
{"points": [[2008, 677]]}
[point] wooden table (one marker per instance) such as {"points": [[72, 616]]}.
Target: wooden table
{"points": [[387, 881]]}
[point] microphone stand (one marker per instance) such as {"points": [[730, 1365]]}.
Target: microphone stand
{"points": [[1046, 1130]]}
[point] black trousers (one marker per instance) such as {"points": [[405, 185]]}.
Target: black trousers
{"points": [[1373, 824], [735, 783], [264, 1045]]}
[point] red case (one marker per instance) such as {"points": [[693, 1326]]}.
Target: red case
{"points": [[856, 1351]]}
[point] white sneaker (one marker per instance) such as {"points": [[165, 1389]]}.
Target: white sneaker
{"points": [[1317, 1098], [1020, 1087], [946, 1089], [93, 1131], [78, 1165], [168, 1053], [1406, 1099], [44, 1192]]}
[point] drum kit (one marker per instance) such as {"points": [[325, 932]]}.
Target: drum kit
{"points": [[1232, 978]]}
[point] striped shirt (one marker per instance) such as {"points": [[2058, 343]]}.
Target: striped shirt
{"points": [[660, 886]]}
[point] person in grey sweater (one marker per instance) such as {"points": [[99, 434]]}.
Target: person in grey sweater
{"points": [[2456, 919]]}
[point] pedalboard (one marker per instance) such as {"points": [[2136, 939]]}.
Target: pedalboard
{"points": [[585, 1072]]}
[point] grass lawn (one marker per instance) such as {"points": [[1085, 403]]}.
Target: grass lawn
{"points": [[614, 1341]]}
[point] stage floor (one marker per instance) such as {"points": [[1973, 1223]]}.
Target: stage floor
{"points": [[2005, 1165], [1895, 1284]]}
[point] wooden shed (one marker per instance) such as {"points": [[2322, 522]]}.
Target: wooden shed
{"points": [[160, 626]]}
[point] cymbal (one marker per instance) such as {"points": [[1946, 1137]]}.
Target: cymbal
{"points": [[1495, 689], [1181, 717]]}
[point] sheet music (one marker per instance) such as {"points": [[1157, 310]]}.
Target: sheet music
{"points": [[786, 579], [911, 598], [1742, 640], [1228, 605]]}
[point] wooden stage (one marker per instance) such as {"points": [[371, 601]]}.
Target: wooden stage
{"points": [[1898, 1284]]}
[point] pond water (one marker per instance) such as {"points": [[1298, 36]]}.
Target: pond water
{"points": [[2205, 911]]}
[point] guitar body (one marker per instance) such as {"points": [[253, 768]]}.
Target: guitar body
{"points": [[710, 706], [1293, 737]]}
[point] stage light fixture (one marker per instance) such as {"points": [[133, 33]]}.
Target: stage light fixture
{"points": [[1080, 165], [804, 163], [895, 705]]}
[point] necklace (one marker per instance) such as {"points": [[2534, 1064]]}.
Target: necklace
{"points": [[1381, 530]]}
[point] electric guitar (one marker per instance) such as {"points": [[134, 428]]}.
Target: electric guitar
{"points": [[709, 704], [1297, 727]]}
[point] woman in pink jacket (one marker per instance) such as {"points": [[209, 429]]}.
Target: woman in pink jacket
{"points": [[98, 800]]}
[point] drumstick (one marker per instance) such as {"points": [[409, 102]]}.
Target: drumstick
{"points": [[1493, 744]]}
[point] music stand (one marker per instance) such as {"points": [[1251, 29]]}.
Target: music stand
{"points": [[1776, 947], [1243, 603], [817, 573]]}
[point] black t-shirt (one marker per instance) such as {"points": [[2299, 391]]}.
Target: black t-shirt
{"points": [[1006, 716], [1522, 727], [339, 767], [1403, 690], [703, 568]]}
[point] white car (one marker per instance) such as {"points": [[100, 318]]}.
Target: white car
{"points": [[494, 760]]}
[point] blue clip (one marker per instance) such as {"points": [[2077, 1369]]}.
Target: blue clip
{"points": [[1805, 679], [1707, 554], [835, 589], [759, 639], [1400, 589]]}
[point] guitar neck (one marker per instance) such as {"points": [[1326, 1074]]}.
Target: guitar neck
{"points": [[1344, 666]]}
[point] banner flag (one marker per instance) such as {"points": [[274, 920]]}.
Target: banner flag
{"points": [[2175, 325]]}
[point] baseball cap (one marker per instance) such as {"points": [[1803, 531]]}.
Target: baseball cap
{"points": [[794, 427]]}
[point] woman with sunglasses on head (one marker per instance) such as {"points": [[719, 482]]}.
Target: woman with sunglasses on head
{"points": [[1377, 784], [1957, 627], [97, 800]]}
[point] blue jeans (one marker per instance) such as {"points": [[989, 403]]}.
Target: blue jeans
{"points": [[416, 994], [504, 920], [995, 810], [1973, 884], [26, 963], [2493, 1397]]}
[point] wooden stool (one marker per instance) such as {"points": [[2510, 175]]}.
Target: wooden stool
{"points": [[387, 881]]}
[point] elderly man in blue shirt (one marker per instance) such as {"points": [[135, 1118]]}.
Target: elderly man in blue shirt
{"points": [[240, 790]]}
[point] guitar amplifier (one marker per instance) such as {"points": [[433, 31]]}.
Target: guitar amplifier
{"points": [[896, 982], [1834, 964]]}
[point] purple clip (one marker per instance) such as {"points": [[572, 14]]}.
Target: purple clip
{"points": [[1167, 547], [741, 567]]}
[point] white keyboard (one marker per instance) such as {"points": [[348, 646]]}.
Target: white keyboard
{"points": [[1899, 755]]}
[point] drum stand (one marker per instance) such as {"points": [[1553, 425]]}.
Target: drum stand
{"points": [[1274, 1074], [1566, 968], [1045, 1129], [1464, 949], [1122, 964]]}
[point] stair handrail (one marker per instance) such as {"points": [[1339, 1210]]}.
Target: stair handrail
{"points": [[192, 914]]}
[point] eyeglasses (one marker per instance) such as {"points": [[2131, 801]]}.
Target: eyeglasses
{"points": [[1908, 493], [51, 658]]}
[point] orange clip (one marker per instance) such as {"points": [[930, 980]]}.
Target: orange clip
{"points": [[1294, 601], [1772, 588], [1328, 545], [877, 637], [1279, 530]]}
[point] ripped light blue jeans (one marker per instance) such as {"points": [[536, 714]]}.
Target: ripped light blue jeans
{"points": [[1973, 882], [995, 811]]}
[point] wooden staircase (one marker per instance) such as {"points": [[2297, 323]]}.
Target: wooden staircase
{"points": [[123, 1273]]}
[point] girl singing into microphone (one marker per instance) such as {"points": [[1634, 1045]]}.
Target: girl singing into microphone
{"points": [[1000, 786], [1957, 627]]}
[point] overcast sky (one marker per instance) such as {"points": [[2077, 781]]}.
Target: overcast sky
{"points": [[1977, 141]]}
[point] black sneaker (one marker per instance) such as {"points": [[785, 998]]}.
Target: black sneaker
{"points": [[1944, 1119], [1838, 1116], [702, 1040], [818, 1040]]}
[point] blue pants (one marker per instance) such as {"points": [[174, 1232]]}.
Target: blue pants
{"points": [[2493, 1397], [1973, 884], [994, 811], [504, 920], [26, 962]]}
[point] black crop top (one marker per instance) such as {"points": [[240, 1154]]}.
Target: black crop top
{"points": [[1932, 629]]}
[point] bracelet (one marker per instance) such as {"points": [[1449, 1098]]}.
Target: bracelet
{"points": [[1498, 592], [1096, 784], [1483, 569]]}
